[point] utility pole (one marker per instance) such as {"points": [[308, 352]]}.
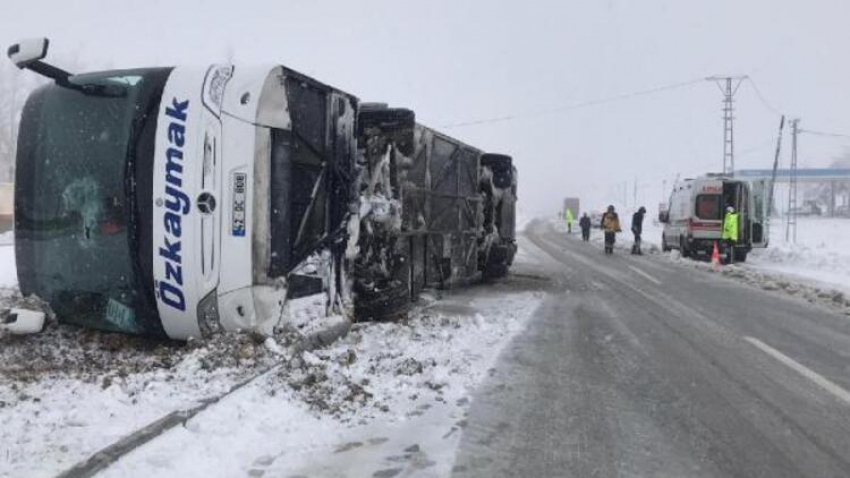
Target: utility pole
{"points": [[728, 86], [772, 186], [775, 167], [791, 223]]}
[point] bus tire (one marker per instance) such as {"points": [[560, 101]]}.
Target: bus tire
{"points": [[664, 246], [389, 304]]}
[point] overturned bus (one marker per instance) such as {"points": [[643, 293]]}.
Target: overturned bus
{"points": [[183, 201]]}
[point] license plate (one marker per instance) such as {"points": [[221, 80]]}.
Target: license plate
{"points": [[121, 315], [237, 210]]}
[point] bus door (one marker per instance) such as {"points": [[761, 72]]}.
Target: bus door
{"points": [[760, 223], [735, 195]]}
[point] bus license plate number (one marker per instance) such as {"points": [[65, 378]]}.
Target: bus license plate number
{"points": [[238, 208]]}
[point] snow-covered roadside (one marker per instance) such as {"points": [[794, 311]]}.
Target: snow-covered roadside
{"points": [[820, 257], [8, 273], [388, 398], [68, 392], [814, 269]]}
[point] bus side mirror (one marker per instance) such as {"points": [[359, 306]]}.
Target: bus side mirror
{"points": [[28, 51]]}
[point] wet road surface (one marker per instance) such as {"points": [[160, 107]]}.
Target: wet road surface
{"points": [[636, 366]]}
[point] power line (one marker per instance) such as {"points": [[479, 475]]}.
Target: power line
{"points": [[757, 148], [767, 104], [825, 134], [583, 104]]}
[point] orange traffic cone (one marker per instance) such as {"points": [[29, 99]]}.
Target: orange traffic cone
{"points": [[715, 258]]}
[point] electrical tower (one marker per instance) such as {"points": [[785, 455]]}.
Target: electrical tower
{"points": [[728, 86], [791, 224]]}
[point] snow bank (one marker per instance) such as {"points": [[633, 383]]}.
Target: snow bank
{"points": [[821, 255], [68, 392], [389, 396]]}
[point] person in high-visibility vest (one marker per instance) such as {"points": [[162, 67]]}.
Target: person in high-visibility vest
{"points": [[730, 233], [568, 216]]}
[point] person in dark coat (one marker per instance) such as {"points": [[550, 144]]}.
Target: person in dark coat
{"points": [[584, 223], [637, 229]]}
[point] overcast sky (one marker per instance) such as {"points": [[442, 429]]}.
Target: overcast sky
{"points": [[459, 61]]}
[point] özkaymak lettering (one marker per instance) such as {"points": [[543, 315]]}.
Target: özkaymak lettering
{"points": [[177, 205]]}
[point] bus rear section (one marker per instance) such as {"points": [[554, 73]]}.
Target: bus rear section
{"points": [[497, 242], [420, 212], [435, 212]]}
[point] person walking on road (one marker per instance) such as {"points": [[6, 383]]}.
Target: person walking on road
{"points": [[637, 229], [584, 224], [611, 226], [568, 217], [729, 237]]}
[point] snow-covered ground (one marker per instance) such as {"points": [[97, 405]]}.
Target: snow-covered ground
{"points": [[821, 254], [68, 392], [8, 275], [819, 261], [389, 396]]}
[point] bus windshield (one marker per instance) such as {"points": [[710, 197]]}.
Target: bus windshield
{"points": [[82, 199]]}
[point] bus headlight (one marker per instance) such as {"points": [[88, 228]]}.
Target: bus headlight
{"points": [[208, 319]]}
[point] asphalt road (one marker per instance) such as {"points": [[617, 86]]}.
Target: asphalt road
{"points": [[636, 366]]}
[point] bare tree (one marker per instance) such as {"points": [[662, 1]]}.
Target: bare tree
{"points": [[15, 86]]}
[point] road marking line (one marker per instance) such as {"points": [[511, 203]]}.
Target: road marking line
{"points": [[820, 380], [645, 275]]}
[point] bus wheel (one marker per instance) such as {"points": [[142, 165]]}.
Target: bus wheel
{"points": [[388, 304], [664, 246]]}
